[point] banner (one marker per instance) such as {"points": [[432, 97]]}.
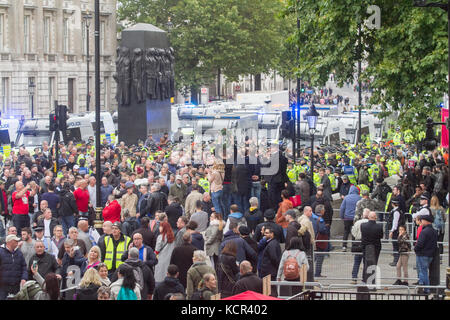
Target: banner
{"points": [[444, 131]]}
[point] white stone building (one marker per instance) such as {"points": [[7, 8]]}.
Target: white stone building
{"points": [[44, 42]]}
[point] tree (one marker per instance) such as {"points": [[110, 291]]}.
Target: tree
{"points": [[406, 58]]}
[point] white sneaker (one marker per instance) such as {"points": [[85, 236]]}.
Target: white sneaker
{"points": [[344, 249]]}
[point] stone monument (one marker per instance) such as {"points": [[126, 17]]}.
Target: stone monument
{"points": [[145, 83]]}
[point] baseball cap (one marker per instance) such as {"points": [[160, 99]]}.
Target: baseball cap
{"points": [[178, 177], [129, 184], [117, 224], [12, 237], [76, 167], [427, 217]]}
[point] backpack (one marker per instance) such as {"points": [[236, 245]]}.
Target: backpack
{"points": [[198, 295], [138, 275], [28, 292], [291, 269], [126, 294]]}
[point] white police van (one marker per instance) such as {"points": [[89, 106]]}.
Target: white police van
{"points": [[107, 126], [34, 132]]}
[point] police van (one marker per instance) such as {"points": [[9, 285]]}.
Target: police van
{"points": [[107, 126], [8, 134], [34, 132]]}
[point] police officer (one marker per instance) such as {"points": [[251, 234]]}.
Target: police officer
{"points": [[113, 247]]}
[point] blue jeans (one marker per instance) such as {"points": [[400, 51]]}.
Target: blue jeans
{"points": [[67, 222], [241, 201], [423, 265], [318, 262], [217, 200], [357, 259], [226, 200], [255, 191]]}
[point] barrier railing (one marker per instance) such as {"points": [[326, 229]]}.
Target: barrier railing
{"points": [[337, 265], [290, 284], [341, 295]]}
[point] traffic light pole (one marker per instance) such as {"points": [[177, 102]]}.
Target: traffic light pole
{"points": [[56, 141]]}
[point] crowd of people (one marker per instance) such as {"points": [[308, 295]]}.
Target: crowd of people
{"points": [[173, 229]]}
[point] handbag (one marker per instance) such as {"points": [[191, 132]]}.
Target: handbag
{"points": [[296, 201], [321, 236]]}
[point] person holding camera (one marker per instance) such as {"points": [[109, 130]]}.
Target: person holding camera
{"points": [[21, 206]]}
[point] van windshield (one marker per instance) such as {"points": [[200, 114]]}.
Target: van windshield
{"points": [[4, 137], [102, 127], [74, 135], [35, 138]]}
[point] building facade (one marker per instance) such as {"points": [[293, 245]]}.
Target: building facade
{"points": [[44, 42]]}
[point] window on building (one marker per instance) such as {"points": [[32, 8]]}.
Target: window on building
{"points": [[102, 37], [31, 93], [26, 33], [47, 34], [2, 31], [66, 36], [51, 91], [4, 94]]}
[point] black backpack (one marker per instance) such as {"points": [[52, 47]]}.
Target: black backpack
{"points": [[198, 295]]}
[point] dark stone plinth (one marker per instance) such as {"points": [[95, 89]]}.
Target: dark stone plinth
{"points": [[136, 120]]}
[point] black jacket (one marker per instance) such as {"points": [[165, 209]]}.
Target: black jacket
{"points": [[182, 258], [46, 264], [277, 230], [198, 241], [149, 278], [67, 204], [227, 271], [147, 235], [88, 293], [271, 256], [292, 231], [254, 245], [173, 212], [169, 285], [156, 201], [371, 233], [53, 223], [13, 267], [427, 242], [253, 218], [249, 281]]}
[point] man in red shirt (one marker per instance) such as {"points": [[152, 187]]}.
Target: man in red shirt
{"points": [[21, 207], [82, 199]]}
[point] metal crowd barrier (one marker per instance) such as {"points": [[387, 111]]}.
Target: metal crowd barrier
{"points": [[344, 295], [338, 266], [280, 284]]}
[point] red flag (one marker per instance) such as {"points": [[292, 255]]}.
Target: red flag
{"points": [[444, 131]]}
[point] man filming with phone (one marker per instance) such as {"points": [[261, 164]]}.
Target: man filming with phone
{"points": [[21, 205]]}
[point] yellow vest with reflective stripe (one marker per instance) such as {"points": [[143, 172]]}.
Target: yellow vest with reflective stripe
{"points": [[333, 182], [316, 179], [120, 250], [388, 200], [292, 175], [204, 183]]}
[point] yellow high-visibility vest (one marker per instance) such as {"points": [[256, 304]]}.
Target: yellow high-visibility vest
{"points": [[120, 250]]}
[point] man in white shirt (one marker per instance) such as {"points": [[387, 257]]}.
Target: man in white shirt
{"points": [[92, 191], [356, 246]]}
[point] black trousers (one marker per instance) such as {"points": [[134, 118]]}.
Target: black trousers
{"points": [[348, 224]]}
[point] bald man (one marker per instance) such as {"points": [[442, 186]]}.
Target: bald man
{"points": [[248, 280], [371, 235], [21, 206]]}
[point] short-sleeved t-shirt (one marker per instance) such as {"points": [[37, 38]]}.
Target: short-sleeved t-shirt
{"points": [[82, 199], [20, 206]]}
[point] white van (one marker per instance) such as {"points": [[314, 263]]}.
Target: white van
{"points": [[35, 131], [107, 126], [8, 131]]}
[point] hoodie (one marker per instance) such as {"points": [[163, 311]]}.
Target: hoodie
{"points": [[235, 217], [348, 206], [169, 285]]}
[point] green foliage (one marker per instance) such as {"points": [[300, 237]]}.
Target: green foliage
{"points": [[238, 37], [406, 59]]}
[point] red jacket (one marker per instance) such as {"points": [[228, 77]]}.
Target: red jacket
{"points": [[112, 212]]}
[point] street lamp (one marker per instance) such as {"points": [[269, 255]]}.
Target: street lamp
{"points": [[87, 22], [98, 210], [311, 116], [445, 7], [31, 87]]}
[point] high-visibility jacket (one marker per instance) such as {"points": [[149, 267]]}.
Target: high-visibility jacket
{"points": [[333, 181], [292, 175], [131, 163], [316, 179], [363, 187], [120, 250], [204, 183], [351, 173], [388, 201]]}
